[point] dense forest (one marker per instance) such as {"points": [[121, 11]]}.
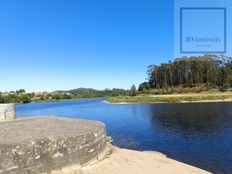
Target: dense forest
{"points": [[210, 71]]}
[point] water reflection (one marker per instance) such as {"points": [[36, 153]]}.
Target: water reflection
{"points": [[191, 119], [201, 132]]}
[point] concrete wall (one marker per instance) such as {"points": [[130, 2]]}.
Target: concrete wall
{"points": [[45, 155], [42, 144], [7, 112]]}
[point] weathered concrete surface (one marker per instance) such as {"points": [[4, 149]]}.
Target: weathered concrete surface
{"points": [[42, 144], [7, 112]]}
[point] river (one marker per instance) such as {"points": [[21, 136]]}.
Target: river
{"points": [[199, 134]]}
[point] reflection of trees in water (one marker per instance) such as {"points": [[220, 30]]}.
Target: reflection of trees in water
{"points": [[191, 119]]}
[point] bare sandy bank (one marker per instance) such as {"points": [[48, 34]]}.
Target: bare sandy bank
{"points": [[123, 161]]}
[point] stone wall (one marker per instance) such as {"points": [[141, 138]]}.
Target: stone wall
{"points": [[42, 144], [7, 112]]}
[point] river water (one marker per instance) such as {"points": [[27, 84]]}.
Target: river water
{"points": [[197, 134]]}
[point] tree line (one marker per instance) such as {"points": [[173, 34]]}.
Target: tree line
{"points": [[209, 70], [21, 96]]}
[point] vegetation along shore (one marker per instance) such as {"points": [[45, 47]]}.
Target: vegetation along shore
{"points": [[203, 78], [173, 98], [195, 79]]}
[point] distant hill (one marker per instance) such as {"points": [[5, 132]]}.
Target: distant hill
{"points": [[78, 90]]}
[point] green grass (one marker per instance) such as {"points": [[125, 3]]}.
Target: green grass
{"points": [[171, 99]]}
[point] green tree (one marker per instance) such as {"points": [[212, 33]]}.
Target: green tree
{"points": [[20, 91], [133, 91], [144, 85], [25, 99], [209, 70]]}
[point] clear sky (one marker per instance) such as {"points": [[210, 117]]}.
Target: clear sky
{"points": [[47, 45]]}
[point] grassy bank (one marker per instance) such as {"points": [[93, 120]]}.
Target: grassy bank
{"points": [[173, 98]]}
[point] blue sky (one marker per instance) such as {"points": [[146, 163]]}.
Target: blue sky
{"points": [[47, 45]]}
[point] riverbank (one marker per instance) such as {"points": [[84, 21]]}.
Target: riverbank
{"points": [[133, 162], [174, 98], [77, 147], [60, 100]]}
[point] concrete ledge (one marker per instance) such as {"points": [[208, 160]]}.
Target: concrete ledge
{"points": [[7, 112], [43, 144]]}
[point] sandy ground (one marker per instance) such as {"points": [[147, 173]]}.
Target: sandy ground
{"points": [[123, 161]]}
